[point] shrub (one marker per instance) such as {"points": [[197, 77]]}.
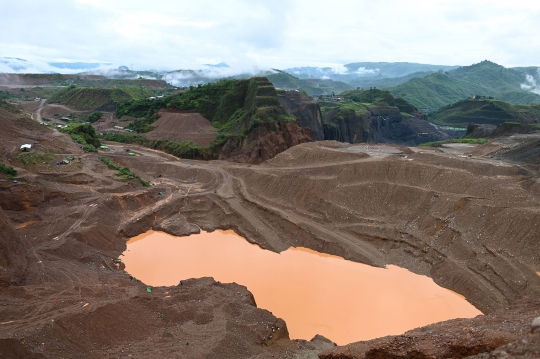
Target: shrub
{"points": [[8, 170], [94, 116], [35, 158], [83, 134]]}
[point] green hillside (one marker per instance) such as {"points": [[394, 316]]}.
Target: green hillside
{"points": [[531, 70], [491, 76], [485, 111], [235, 108], [518, 97], [436, 90], [312, 87], [386, 82], [483, 79], [107, 99]]}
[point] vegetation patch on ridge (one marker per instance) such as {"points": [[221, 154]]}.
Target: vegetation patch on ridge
{"points": [[123, 172], [83, 134]]}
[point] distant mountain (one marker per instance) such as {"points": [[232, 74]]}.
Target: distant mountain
{"points": [[490, 75], [386, 82], [424, 85], [361, 70], [484, 79], [326, 73], [395, 69]]}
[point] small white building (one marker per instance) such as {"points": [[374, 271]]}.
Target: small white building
{"points": [[26, 147]]}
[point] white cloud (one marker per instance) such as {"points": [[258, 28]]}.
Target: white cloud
{"points": [[532, 84], [271, 33]]}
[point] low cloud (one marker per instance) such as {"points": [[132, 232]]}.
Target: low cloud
{"points": [[364, 71], [182, 78], [532, 83]]}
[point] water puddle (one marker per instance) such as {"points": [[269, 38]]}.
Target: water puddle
{"points": [[314, 293]]}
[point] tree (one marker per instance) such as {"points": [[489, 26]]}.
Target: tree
{"points": [[94, 116]]}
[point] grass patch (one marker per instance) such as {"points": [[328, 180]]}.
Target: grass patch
{"points": [[31, 158], [123, 172], [474, 141], [8, 170]]}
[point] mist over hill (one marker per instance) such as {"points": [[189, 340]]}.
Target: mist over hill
{"points": [[426, 86]]}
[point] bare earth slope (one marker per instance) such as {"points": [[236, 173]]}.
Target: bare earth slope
{"points": [[470, 223], [183, 127]]}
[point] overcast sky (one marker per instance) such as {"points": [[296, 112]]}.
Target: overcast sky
{"points": [[167, 35]]}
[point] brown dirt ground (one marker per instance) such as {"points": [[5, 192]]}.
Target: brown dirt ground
{"points": [[28, 106], [183, 126], [470, 223], [50, 110]]}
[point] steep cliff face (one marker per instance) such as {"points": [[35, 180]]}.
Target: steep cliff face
{"points": [[375, 116], [307, 113], [346, 125], [356, 122], [264, 141], [267, 127]]}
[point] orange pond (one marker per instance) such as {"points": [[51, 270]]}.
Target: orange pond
{"points": [[314, 293]]}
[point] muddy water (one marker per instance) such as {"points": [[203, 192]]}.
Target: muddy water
{"points": [[314, 293]]}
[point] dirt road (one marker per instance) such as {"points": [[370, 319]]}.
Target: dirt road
{"points": [[37, 113]]}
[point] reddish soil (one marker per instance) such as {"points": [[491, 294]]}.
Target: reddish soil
{"points": [[470, 223], [183, 127], [28, 106]]}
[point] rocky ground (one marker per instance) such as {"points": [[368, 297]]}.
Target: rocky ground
{"points": [[457, 214]]}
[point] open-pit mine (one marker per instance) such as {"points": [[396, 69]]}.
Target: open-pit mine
{"points": [[395, 251]]}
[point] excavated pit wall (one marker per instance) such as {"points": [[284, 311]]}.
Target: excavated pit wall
{"points": [[472, 227], [470, 224]]}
